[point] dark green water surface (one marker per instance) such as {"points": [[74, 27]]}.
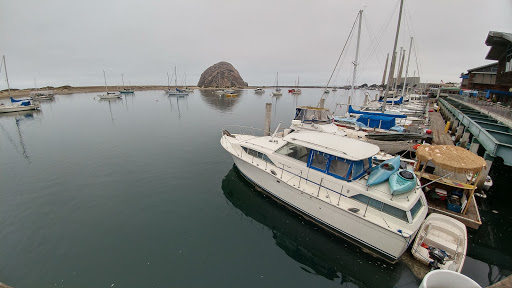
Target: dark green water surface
{"points": [[139, 193]]}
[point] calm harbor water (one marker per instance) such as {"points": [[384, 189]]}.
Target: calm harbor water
{"points": [[138, 192]]}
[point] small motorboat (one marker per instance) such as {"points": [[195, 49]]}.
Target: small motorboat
{"points": [[259, 90], [326, 91], [231, 95], [297, 91], [402, 181], [441, 243], [382, 172], [446, 278]]}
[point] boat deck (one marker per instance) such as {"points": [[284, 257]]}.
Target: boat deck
{"points": [[471, 219]]}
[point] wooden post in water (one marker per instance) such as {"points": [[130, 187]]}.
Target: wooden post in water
{"points": [[268, 113]]}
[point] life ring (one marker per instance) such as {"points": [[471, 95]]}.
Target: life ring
{"points": [[415, 147]]}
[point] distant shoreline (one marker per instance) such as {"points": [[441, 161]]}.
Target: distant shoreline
{"points": [[64, 90]]}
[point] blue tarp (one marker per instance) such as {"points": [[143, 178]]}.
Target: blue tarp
{"points": [[25, 103], [21, 100], [353, 111], [396, 102], [374, 121]]}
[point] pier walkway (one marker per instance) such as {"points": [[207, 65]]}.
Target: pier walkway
{"points": [[437, 126], [493, 135]]}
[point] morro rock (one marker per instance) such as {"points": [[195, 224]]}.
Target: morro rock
{"points": [[221, 74]]}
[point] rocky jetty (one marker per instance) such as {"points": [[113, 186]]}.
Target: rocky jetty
{"points": [[221, 74]]}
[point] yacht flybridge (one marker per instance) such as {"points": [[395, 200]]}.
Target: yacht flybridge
{"points": [[323, 176]]}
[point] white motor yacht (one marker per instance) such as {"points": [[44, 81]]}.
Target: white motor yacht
{"points": [[323, 176]]}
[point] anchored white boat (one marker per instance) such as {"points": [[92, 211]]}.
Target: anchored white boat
{"points": [[442, 242], [259, 90], [323, 177], [108, 95], [19, 105], [277, 90], [175, 91]]}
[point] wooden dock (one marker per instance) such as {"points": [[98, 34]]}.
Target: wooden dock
{"points": [[437, 125]]}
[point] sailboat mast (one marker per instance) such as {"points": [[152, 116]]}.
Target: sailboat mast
{"points": [[168, 81], [399, 76], [407, 68], [176, 78], [105, 78], [122, 79], [393, 59], [357, 57], [385, 72], [7, 77]]}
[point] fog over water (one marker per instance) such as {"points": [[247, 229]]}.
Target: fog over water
{"points": [[60, 42]]}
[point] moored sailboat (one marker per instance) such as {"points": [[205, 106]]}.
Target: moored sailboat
{"points": [[108, 95], [16, 105], [277, 90]]}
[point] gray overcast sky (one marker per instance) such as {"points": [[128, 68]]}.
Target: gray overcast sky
{"points": [[61, 42]]}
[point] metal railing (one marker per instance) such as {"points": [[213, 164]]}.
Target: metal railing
{"points": [[496, 108]]}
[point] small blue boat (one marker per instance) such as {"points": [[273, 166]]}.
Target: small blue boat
{"points": [[401, 182], [382, 172]]}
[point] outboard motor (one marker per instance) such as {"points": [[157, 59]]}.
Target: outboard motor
{"points": [[438, 256]]}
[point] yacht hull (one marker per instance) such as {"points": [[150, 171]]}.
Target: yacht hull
{"points": [[374, 239]]}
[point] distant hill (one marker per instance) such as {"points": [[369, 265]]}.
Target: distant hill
{"points": [[221, 74]]}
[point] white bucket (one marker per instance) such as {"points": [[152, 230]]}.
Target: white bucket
{"points": [[447, 279]]}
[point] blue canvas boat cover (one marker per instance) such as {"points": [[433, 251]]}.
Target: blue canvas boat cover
{"points": [[353, 111], [396, 102], [374, 121], [20, 100]]}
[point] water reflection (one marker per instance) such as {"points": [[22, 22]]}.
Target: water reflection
{"points": [[177, 99], [110, 102], [320, 252], [220, 102], [19, 119]]}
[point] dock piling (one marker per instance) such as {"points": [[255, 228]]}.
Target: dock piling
{"points": [[268, 114]]}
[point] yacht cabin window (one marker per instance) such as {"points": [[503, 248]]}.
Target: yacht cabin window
{"points": [[338, 167], [378, 205], [319, 161], [416, 208], [295, 151], [257, 154]]}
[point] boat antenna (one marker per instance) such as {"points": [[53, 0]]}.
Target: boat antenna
{"points": [[393, 57]]}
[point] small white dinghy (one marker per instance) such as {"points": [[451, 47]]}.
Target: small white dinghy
{"points": [[441, 243]]}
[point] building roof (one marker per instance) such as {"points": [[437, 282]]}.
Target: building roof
{"points": [[499, 42], [336, 145], [483, 66]]}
